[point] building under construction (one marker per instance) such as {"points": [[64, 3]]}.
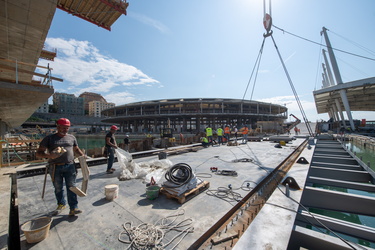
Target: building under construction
{"points": [[192, 114]]}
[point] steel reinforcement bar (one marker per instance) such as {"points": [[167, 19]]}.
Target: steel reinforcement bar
{"points": [[233, 224]]}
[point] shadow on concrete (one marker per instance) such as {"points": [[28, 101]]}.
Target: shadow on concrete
{"points": [[3, 241], [100, 202], [62, 218]]}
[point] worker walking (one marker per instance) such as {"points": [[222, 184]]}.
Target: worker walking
{"points": [[245, 132], [220, 132], [111, 144], [61, 147], [227, 132]]}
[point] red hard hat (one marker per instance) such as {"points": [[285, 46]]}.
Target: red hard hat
{"points": [[114, 127], [63, 121]]}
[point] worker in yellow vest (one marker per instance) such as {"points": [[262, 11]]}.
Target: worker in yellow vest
{"points": [[227, 132], [245, 132], [220, 132], [204, 142], [209, 134]]}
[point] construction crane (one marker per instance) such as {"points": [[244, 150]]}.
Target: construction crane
{"points": [[292, 125]]}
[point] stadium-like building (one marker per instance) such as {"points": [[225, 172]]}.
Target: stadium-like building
{"points": [[192, 114]]}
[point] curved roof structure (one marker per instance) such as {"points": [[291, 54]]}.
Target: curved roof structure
{"points": [[192, 113]]}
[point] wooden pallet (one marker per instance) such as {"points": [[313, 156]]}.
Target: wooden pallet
{"points": [[188, 194]]}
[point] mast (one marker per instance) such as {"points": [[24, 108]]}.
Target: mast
{"points": [[337, 74]]}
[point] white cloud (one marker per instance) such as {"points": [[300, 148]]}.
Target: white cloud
{"points": [[150, 22], [290, 102], [120, 98], [84, 68]]}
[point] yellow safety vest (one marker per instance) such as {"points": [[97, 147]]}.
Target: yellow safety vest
{"points": [[208, 131], [219, 132]]}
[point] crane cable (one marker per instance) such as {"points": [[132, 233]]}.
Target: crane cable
{"points": [[257, 64], [293, 89]]}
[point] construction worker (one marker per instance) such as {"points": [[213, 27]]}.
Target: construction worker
{"points": [[220, 132], [61, 147], [126, 143], [296, 130], [245, 132], [235, 130], [205, 142], [227, 132], [209, 134], [111, 144]]}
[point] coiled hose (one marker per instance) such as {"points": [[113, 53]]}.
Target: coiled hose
{"points": [[179, 174]]}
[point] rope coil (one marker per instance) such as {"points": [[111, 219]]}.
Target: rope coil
{"points": [[147, 235]]}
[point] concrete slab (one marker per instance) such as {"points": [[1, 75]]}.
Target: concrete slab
{"points": [[273, 226], [101, 222]]}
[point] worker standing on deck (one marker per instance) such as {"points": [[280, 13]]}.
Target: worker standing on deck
{"points": [[61, 147], [245, 132], [209, 134], [227, 132], [219, 132], [126, 143], [110, 143], [235, 130]]}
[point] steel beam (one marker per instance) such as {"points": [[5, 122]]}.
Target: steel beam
{"points": [[344, 184]]}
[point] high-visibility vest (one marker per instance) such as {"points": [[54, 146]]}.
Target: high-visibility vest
{"points": [[208, 131], [204, 139], [245, 131], [227, 130], [219, 132]]}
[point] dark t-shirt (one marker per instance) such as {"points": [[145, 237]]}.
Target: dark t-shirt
{"points": [[68, 142], [126, 140], [112, 140]]}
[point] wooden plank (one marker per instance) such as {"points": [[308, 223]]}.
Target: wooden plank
{"points": [[188, 194]]}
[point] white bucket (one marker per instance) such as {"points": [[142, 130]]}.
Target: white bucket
{"points": [[36, 230], [111, 192]]}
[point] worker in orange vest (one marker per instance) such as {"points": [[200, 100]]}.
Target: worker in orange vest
{"points": [[245, 132], [227, 132]]}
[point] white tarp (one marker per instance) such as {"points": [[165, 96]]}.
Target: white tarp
{"points": [[146, 170]]}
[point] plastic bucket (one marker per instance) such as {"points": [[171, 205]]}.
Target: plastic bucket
{"points": [[111, 192], [36, 230], [152, 192]]}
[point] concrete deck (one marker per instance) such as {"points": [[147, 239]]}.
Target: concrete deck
{"points": [[101, 223]]}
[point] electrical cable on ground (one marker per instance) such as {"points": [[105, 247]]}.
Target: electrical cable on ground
{"points": [[179, 174]]}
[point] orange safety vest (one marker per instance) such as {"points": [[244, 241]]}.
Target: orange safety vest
{"points": [[227, 130], [245, 131]]}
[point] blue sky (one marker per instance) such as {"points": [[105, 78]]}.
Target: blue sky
{"points": [[207, 49]]}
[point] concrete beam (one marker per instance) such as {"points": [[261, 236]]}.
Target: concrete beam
{"points": [[344, 184], [344, 202], [340, 174], [309, 239], [337, 166], [340, 226], [337, 160]]}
